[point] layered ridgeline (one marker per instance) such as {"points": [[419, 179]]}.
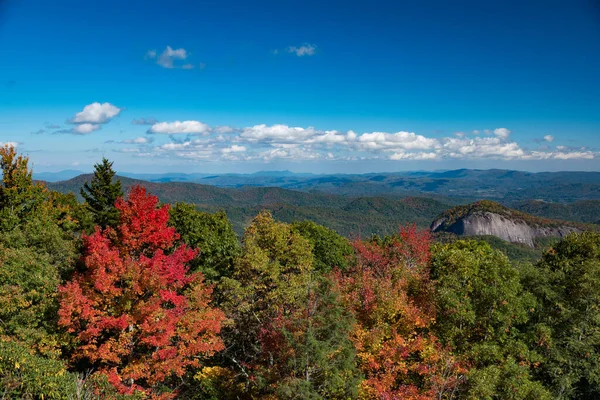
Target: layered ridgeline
{"points": [[348, 215], [504, 186], [488, 218]]}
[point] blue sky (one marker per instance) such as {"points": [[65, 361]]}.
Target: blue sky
{"points": [[327, 86]]}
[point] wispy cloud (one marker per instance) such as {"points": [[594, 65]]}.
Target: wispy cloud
{"points": [[144, 121], [172, 58], [305, 49]]}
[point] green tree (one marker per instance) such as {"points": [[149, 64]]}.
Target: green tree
{"points": [[211, 234], [19, 195], [480, 307], [330, 250], [36, 250], [289, 336], [566, 324], [101, 193], [28, 376]]}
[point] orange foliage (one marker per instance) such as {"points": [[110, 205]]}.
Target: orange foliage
{"points": [[389, 292]]}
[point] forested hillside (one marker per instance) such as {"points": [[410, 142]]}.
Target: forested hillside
{"points": [[348, 216], [122, 297]]}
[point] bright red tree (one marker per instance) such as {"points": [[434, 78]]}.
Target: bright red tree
{"points": [[138, 316], [389, 293]]}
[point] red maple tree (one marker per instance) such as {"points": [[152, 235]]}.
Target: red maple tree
{"points": [[137, 314]]}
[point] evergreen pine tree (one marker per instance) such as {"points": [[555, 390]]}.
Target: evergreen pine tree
{"points": [[101, 193]]}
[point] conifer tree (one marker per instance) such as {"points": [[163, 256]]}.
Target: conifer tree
{"points": [[101, 193]]}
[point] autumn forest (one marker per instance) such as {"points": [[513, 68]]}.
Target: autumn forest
{"points": [[122, 297]]}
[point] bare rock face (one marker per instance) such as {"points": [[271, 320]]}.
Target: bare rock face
{"points": [[506, 228]]}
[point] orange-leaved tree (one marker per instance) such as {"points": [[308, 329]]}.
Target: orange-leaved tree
{"points": [[138, 316], [389, 292]]}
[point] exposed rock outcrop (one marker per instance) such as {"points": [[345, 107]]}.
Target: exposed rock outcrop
{"points": [[489, 218]]}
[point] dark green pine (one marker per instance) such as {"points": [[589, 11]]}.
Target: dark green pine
{"points": [[101, 193]]}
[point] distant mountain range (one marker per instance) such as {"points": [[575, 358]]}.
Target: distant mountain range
{"points": [[464, 185], [372, 203]]}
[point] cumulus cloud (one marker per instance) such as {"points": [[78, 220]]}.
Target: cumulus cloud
{"points": [[488, 147], [306, 49], [177, 127], [395, 141], [502, 132], [276, 133], [96, 113], [283, 142], [84, 129], [549, 138]]}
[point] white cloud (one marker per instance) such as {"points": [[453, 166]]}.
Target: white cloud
{"points": [[138, 140], [224, 129], [283, 142], [234, 149], [129, 150], [399, 140], [306, 49], [150, 54], [581, 155], [169, 55], [96, 113], [276, 133], [84, 129], [413, 156], [488, 147], [549, 138], [502, 132], [176, 127], [9, 144]]}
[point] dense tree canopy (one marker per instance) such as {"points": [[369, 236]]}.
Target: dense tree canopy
{"points": [[213, 237], [330, 250], [566, 323], [160, 302], [481, 305], [290, 333]]}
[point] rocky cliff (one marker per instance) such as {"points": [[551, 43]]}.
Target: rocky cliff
{"points": [[490, 218]]}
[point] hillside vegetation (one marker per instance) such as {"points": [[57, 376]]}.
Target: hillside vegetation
{"points": [[122, 297], [348, 216]]}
